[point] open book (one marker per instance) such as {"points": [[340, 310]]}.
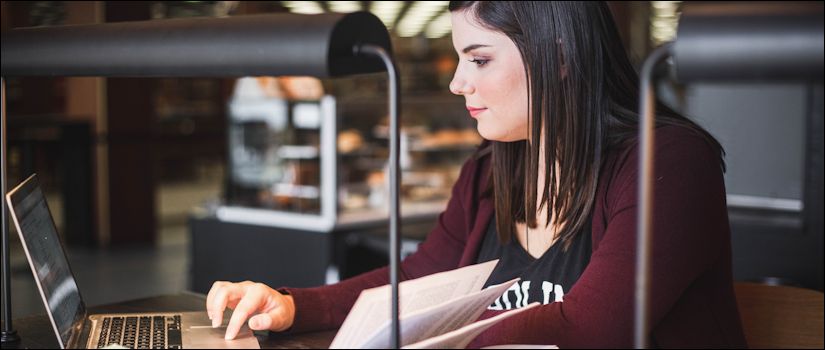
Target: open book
{"points": [[436, 311]]}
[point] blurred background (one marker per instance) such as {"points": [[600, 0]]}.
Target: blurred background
{"points": [[164, 185]]}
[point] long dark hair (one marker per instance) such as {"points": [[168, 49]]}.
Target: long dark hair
{"points": [[583, 115]]}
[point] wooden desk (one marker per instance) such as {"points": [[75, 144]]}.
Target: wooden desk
{"points": [[37, 333]]}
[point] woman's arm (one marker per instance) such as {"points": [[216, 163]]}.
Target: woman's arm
{"points": [[326, 307]]}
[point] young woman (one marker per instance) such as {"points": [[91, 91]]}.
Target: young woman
{"points": [[552, 194]]}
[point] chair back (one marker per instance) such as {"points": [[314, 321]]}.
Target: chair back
{"points": [[780, 316]]}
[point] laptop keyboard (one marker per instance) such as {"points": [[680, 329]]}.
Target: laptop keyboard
{"points": [[141, 332]]}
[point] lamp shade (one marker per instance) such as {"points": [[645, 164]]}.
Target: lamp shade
{"points": [[756, 42], [271, 44]]}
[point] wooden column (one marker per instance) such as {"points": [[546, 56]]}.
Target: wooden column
{"points": [[130, 121]]}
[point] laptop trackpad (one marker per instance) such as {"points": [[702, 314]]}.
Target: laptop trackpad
{"points": [[199, 334]]}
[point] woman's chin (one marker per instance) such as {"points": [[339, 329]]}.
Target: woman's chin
{"points": [[496, 135], [487, 135]]}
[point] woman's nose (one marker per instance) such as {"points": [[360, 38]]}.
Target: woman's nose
{"points": [[460, 86]]}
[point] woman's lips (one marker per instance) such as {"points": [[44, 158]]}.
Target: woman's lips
{"points": [[475, 111]]}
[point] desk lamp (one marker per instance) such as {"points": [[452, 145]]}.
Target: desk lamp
{"points": [[720, 43], [325, 45]]}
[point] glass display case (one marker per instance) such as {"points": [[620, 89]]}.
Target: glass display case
{"points": [[281, 154], [308, 161], [437, 136]]}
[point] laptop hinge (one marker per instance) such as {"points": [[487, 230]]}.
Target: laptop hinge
{"points": [[80, 333]]}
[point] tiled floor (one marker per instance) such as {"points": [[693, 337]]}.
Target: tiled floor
{"points": [[111, 275]]}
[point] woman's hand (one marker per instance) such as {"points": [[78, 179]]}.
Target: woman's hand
{"points": [[268, 308]]}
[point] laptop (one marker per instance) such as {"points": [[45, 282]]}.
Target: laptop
{"points": [[72, 325]]}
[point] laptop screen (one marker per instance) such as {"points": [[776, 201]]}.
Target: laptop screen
{"points": [[47, 259]]}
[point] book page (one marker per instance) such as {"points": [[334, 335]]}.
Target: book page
{"points": [[439, 319], [371, 310], [459, 338]]}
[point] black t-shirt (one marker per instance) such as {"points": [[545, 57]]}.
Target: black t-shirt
{"points": [[543, 280]]}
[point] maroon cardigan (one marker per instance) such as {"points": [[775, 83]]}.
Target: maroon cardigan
{"points": [[692, 304]]}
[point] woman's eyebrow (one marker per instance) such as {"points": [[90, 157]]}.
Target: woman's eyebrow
{"points": [[473, 47]]}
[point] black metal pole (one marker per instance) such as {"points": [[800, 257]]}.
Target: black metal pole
{"points": [[647, 123], [9, 335], [395, 180]]}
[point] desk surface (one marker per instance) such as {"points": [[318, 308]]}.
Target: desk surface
{"points": [[36, 331]]}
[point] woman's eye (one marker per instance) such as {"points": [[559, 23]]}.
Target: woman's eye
{"points": [[479, 62]]}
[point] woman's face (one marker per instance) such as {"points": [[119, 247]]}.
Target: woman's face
{"points": [[490, 76]]}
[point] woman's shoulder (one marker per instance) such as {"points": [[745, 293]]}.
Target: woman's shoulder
{"points": [[671, 143], [678, 152]]}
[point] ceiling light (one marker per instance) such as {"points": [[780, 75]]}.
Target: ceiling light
{"points": [[664, 18], [387, 11], [419, 14], [344, 6], [303, 7], [439, 27]]}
